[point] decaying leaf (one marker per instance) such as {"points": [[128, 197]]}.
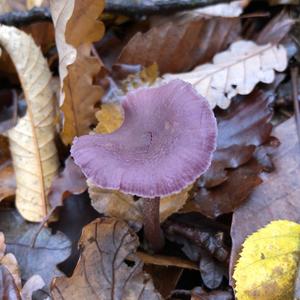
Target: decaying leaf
{"points": [[10, 279], [272, 254], [70, 181], [277, 197], [235, 71], [180, 43], [199, 293], [110, 118], [32, 140], [40, 259], [76, 27], [123, 206], [102, 271]]}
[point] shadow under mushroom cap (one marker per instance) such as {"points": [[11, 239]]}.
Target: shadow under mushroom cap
{"points": [[165, 142]]}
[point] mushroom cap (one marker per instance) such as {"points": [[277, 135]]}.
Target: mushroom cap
{"points": [[165, 142]]}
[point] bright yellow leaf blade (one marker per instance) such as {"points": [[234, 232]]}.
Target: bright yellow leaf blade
{"points": [[268, 265]]}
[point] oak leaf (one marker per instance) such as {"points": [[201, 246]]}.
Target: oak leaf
{"points": [[235, 71], [76, 28], [102, 271], [272, 254], [32, 144]]}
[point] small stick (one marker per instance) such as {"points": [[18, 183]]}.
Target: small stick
{"points": [[130, 8], [152, 230], [295, 85]]}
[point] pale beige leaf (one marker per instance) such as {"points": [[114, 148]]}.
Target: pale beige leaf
{"points": [[10, 262], [33, 284], [235, 71], [76, 28], [229, 10], [32, 144], [33, 3], [122, 206]]}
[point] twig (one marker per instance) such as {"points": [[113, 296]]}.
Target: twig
{"points": [[26, 17], [128, 7], [150, 7], [295, 85]]}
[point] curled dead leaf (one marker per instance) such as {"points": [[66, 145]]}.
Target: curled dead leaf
{"points": [[76, 28], [32, 140], [102, 271]]}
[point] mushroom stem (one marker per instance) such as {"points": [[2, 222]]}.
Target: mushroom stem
{"points": [[152, 230]]}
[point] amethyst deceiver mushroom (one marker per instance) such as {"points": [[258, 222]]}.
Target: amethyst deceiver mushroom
{"points": [[165, 142]]}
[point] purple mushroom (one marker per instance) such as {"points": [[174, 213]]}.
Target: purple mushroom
{"points": [[165, 142]]}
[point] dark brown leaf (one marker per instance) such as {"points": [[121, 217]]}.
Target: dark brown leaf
{"points": [[200, 294], [245, 125], [276, 29], [70, 181], [196, 239], [229, 195], [178, 44], [165, 279], [8, 288], [277, 197], [103, 271], [212, 271], [40, 259]]}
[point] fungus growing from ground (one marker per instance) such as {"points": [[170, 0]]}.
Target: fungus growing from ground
{"points": [[165, 142]]}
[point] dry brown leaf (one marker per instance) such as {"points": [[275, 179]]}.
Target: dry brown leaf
{"points": [[122, 206], [32, 140], [167, 261], [235, 71], [181, 42], [277, 197], [102, 272], [76, 28]]}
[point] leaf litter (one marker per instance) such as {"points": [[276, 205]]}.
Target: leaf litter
{"points": [[238, 55]]}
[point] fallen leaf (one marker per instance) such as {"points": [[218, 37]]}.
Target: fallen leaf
{"points": [[124, 207], [199, 293], [229, 195], [164, 279], [212, 272], [32, 140], [179, 43], [76, 28], [228, 10], [235, 143], [69, 181], [277, 197], [102, 271], [12, 280], [276, 29], [42, 258], [8, 288], [166, 261], [110, 118], [272, 254], [235, 71], [33, 284]]}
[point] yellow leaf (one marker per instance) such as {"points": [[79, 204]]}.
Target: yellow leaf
{"points": [[268, 265], [110, 118], [32, 145]]}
